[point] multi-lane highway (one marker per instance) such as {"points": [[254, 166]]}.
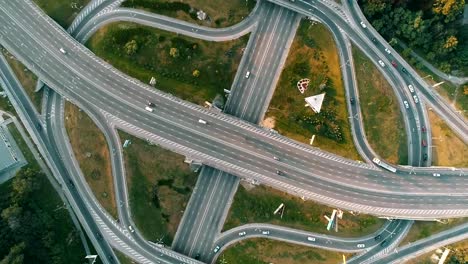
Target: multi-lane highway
{"points": [[225, 143]]}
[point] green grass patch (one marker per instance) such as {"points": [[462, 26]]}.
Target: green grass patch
{"points": [[265, 251], [313, 55], [92, 153], [144, 52], [62, 11], [41, 223], [258, 204], [160, 185], [220, 13], [423, 229], [383, 121], [27, 79]]}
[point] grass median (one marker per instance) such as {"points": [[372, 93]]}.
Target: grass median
{"points": [[383, 121], [448, 149], [26, 78], [257, 204], [62, 11], [160, 185], [191, 69], [265, 251], [220, 13], [92, 153], [313, 55]]}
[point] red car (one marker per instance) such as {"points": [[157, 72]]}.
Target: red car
{"points": [[424, 143], [423, 129], [394, 64]]}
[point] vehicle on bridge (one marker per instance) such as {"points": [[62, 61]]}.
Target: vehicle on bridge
{"points": [[201, 121], [63, 51], [384, 165], [149, 109]]}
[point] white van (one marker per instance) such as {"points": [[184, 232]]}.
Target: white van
{"points": [[201, 121]]}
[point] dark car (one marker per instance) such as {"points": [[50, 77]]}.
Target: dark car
{"points": [[425, 156], [197, 257], [351, 100], [377, 237], [150, 104], [278, 172], [423, 129], [383, 243], [394, 64], [374, 39], [403, 70]]}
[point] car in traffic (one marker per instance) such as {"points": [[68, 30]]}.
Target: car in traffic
{"points": [[381, 63], [363, 25], [425, 156], [243, 233], [436, 174], [411, 88], [416, 100], [63, 51], [406, 104], [394, 64], [388, 51], [384, 243], [275, 158], [266, 232], [150, 104], [423, 129], [216, 249], [351, 101], [377, 237], [149, 109], [247, 74], [361, 245], [424, 143], [311, 239], [403, 70], [279, 172], [201, 121], [131, 228]]}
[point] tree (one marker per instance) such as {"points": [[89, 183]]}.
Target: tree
{"points": [[174, 52], [15, 256], [465, 90], [131, 47], [196, 73], [451, 9], [451, 43]]}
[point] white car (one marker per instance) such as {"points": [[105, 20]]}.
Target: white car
{"points": [[242, 233], [363, 25], [388, 51], [265, 232], [411, 88], [311, 238], [63, 51], [361, 245], [406, 104], [247, 74], [216, 249], [436, 174], [416, 100], [131, 228], [381, 63]]}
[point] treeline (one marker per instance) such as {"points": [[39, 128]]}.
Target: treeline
{"points": [[431, 27], [32, 230]]}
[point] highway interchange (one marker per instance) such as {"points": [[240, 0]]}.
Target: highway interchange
{"points": [[67, 79]]}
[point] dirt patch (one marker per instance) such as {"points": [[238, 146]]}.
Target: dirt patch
{"points": [[269, 122], [448, 150], [91, 151]]}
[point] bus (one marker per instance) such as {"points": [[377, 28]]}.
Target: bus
{"points": [[384, 165]]}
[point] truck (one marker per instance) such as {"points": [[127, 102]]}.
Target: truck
{"points": [[384, 165]]}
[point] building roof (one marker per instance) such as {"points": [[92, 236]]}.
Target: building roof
{"points": [[8, 157]]}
